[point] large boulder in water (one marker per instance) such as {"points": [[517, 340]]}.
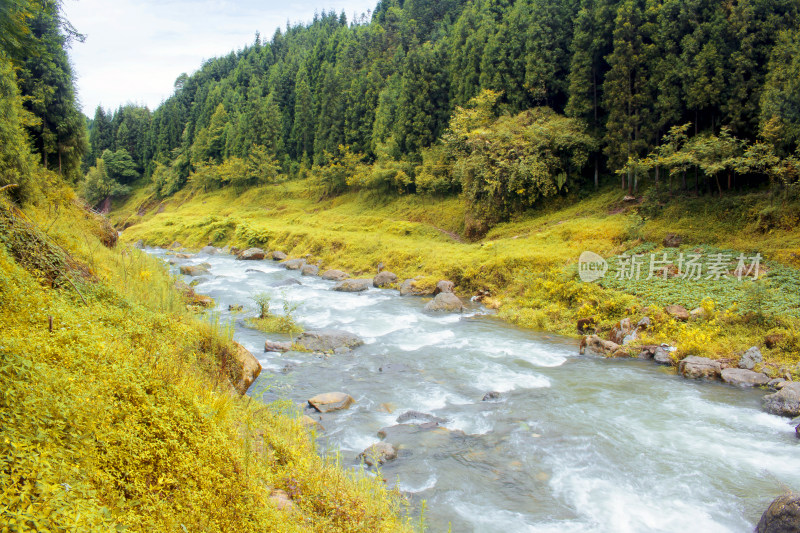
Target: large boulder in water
{"points": [[310, 270], [598, 345], [278, 256], [250, 368], [353, 285], [785, 402], [384, 279], [294, 264], [209, 250], [743, 377], [694, 367], [782, 515], [331, 401], [327, 340], [335, 275], [445, 301], [378, 453], [252, 254], [194, 270]]}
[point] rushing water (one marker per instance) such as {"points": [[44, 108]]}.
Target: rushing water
{"points": [[576, 443]]}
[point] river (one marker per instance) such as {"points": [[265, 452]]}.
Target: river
{"points": [[574, 444]]}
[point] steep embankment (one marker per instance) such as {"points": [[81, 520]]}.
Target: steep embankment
{"points": [[528, 267], [117, 408]]}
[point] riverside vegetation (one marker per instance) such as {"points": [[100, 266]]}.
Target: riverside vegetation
{"points": [[118, 409]]}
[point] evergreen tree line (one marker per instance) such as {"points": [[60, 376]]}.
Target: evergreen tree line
{"points": [[388, 92], [41, 127]]}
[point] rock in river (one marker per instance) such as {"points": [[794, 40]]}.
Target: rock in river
{"points": [[384, 279], [744, 377], [378, 453], [694, 367], [276, 346], [278, 256], [353, 285], [331, 401], [335, 275], [310, 270], [785, 402], [445, 301], [294, 264], [417, 417], [252, 254], [194, 270], [782, 515], [327, 340]]}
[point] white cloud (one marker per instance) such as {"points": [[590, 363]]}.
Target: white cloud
{"points": [[135, 49]]}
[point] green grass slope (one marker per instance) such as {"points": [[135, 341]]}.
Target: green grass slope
{"points": [[122, 416]]}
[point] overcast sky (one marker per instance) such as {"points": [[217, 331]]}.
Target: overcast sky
{"points": [[135, 49]]}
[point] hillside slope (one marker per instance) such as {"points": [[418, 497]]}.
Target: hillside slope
{"points": [[117, 407]]}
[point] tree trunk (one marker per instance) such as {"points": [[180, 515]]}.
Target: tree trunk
{"points": [[696, 182], [719, 187], [656, 176], [596, 173], [683, 180]]}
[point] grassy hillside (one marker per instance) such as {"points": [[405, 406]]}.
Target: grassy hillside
{"points": [[528, 265], [117, 409]]}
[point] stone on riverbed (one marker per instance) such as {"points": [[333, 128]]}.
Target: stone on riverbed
{"points": [[378, 453], [276, 346], [277, 256], [353, 285], [782, 515], [331, 401], [294, 264], [785, 402], [489, 396], [694, 367], [335, 275], [417, 417], [596, 344], [310, 270], [384, 279], [194, 270], [744, 377], [209, 250], [327, 340], [252, 254], [445, 301]]}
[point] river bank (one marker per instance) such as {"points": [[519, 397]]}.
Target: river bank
{"points": [[526, 269]]}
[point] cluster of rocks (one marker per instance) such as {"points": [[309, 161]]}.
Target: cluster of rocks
{"points": [[784, 400]]}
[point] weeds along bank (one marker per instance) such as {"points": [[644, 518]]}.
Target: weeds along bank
{"points": [[122, 417], [528, 265]]}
